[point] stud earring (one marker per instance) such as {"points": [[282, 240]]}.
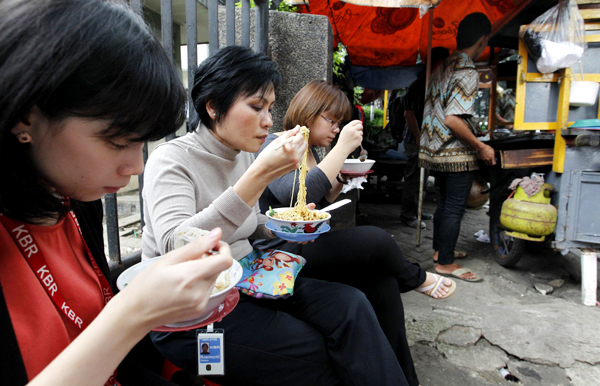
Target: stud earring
{"points": [[24, 137]]}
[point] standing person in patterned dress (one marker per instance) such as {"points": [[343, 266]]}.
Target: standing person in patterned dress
{"points": [[505, 106], [448, 144]]}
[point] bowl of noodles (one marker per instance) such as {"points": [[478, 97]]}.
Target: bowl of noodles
{"points": [[223, 285], [288, 220], [298, 237], [356, 166], [298, 219]]}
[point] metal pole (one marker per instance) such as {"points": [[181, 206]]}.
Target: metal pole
{"points": [[112, 228], [166, 28], [141, 183], [246, 23], [422, 171], [213, 26], [191, 25], [589, 281], [230, 21], [261, 26]]}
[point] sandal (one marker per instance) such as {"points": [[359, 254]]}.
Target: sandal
{"points": [[458, 254], [461, 271], [432, 288]]}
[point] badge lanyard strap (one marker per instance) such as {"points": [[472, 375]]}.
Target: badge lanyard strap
{"points": [[26, 243]]}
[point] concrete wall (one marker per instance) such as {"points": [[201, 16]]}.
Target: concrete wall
{"points": [[302, 46]]}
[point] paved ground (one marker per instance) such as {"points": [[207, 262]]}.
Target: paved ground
{"points": [[501, 322]]}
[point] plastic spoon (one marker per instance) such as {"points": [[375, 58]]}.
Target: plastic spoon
{"points": [[335, 205]]}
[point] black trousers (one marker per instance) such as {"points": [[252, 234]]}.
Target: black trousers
{"points": [[454, 193], [325, 334], [369, 259]]}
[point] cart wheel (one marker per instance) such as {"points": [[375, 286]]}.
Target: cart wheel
{"points": [[507, 249]]}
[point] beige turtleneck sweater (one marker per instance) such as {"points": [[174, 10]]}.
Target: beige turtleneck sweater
{"points": [[188, 183]]}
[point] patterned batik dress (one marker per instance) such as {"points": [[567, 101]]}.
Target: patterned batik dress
{"points": [[452, 91]]}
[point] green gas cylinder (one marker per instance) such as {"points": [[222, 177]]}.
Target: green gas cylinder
{"points": [[529, 218]]}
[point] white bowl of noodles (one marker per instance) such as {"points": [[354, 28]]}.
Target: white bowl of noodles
{"points": [[356, 166], [225, 282], [295, 225]]}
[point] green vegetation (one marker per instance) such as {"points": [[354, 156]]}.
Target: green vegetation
{"points": [[339, 56], [358, 91], [374, 127], [377, 119], [283, 6]]}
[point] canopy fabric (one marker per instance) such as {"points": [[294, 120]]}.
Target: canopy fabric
{"points": [[385, 37], [395, 3], [385, 78]]}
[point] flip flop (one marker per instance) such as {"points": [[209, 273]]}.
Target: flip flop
{"points": [[461, 271], [432, 288], [458, 254]]}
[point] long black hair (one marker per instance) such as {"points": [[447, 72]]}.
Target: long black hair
{"points": [[228, 74], [77, 58]]}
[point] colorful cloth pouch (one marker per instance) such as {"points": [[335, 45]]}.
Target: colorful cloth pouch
{"points": [[269, 275]]}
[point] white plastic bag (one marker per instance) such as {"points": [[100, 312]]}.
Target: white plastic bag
{"points": [[556, 39]]}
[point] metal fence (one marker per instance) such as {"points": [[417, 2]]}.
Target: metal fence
{"points": [[116, 261]]}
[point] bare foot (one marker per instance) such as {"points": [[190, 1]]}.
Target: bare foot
{"points": [[449, 268], [431, 279], [457, 255]]}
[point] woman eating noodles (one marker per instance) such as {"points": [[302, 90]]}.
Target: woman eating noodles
{"points": [[84, 84], [325, 333], [365, 257]]}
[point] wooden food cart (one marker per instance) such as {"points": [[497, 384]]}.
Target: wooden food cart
{"points": [[569, 158]]}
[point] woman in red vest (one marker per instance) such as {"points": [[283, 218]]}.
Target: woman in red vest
{"points": [[84, 84]]}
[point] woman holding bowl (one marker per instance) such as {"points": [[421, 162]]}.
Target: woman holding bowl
{"points": [[326, 333], [364, 257], [76, 107]]}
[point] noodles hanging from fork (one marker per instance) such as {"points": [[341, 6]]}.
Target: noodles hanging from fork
{"points": [[300, 212]]}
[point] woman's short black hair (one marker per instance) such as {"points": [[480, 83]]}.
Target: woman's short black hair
{"points": [[228, 74], [78, 58]]}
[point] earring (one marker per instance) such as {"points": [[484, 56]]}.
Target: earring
{"points": [[24, 137]]}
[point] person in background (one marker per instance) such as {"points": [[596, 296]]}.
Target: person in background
{"points": [[448, 145], [505, 106], [84, 84], [414, 103], [365, 257], [325, 333]]}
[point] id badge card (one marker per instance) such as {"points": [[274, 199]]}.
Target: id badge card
{"points": [[211, 352]]}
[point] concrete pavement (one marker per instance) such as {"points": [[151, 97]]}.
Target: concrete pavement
{"points": [[501, 322]]}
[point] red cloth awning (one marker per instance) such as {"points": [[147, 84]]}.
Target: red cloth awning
{"points": [[386, 37]]}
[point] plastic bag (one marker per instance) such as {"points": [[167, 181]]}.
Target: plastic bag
{"points": [[556, 39]]}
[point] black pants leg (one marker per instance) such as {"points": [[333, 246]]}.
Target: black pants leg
{"points": [[325, 334], [410, 194], [454, 193], [369, 259]]}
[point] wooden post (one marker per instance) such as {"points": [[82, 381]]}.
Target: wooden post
{"points": [[421, 170]]}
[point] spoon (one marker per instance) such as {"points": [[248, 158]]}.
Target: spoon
{"points": [[336, 205], [363, 154]]}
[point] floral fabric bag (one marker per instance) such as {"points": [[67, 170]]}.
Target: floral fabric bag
{"points": [[269, 275]]}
